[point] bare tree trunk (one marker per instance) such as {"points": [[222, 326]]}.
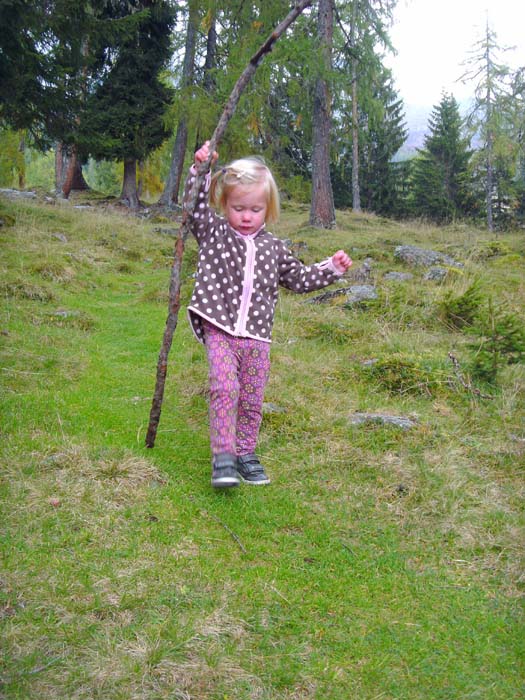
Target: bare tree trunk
{"points": [[129, 194], [61, 160], [211, 57], [209, 84], [68, 171], [322, 210], [356, 196], [140, 178], [490, 142], [170, 195], [187, 216], [21, 167]]}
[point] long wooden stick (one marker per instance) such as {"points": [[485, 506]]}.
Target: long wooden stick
{"points": [[188, 211]]}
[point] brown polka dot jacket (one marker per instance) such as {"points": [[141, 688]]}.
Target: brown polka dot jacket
{"points": [[238, 276]]}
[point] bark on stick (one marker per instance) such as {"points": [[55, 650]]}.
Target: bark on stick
{"points": [[188, 211]]}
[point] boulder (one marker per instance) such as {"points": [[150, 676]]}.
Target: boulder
{"points": [[412, 255]]}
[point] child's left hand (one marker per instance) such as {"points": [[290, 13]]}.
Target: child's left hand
{"points": [[341, 261]]}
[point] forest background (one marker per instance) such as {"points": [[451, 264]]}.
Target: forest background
{"points": [[116, 96]]}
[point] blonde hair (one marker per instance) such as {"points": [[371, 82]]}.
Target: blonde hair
{"points": [[245, 172]]}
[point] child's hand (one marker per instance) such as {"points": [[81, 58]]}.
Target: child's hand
{"points": [[202, 155], [341, 261]]}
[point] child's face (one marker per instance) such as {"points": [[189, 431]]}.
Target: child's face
{"points": [[246, 208]]}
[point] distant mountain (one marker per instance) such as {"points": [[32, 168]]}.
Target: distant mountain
{"points": [[416, 117]]}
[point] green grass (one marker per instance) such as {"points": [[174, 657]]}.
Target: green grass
{"points": [[380, 563]]}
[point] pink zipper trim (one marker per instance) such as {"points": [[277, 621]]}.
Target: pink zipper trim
{"points": [[247, 287]]}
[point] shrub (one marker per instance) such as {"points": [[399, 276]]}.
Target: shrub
{"points": [[502, 342], [404, 375], [456, 312]]}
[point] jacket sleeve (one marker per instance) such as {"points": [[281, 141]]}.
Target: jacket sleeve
{"points": [[204, 217], [300, 278]]}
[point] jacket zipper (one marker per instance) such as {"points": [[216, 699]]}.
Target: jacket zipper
{"points": [[247, 287]]}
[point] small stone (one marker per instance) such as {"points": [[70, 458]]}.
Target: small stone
{"points": [[272, 408], [398, 276], [384, 419], [436, 274]]}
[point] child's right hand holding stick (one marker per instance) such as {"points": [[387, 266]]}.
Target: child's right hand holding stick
{"points": [[341, 261]]}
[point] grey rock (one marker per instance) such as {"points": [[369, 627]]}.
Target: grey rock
{"points": [[17, 194], [412, 255], [328, 296], [166, 230], [272, 408], [359, 293], [398, 276], [64, 313], [383, 419], [436, 274]]}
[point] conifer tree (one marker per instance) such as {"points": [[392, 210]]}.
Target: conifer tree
{"points": [[441, 181], [381, 133], [489, 120], [124, 118], [171, 190]]}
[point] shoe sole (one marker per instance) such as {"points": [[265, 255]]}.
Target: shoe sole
{"points": [[225, 483], [255, 483]]}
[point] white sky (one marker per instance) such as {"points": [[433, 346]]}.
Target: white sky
{"points": [[434, 37]]}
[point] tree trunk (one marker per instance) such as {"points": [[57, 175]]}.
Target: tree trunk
{"points": [[129, 194], [322, 211], [21, 167], [490, 143], [208, 82], [68, 171], [211, 57], [356, 195], [141, 166], [170, 195]]}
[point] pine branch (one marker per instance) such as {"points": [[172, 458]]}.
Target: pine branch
{"points": [[189, 209]]}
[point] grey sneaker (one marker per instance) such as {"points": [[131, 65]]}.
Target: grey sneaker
{"points": [[251, 470], [224, 471]]}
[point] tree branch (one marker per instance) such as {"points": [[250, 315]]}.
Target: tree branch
{"points": [[188, 211]]}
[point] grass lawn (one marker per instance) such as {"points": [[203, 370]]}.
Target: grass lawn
{"points": [[381, 563]]}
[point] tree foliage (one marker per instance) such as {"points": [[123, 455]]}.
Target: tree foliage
{"points": [[123, 117], [441, 174], [496, 119]]}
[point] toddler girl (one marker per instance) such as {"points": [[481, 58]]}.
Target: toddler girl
{"points": [[240, 268]]}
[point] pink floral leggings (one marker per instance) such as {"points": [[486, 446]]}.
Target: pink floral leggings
{"points": [[238, 372]]}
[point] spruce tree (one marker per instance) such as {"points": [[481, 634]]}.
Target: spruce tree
{"points": [[441, 180], [384, 134], [124, 118]]}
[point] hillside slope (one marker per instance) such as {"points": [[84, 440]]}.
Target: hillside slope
{"points": [[380, 562]]}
